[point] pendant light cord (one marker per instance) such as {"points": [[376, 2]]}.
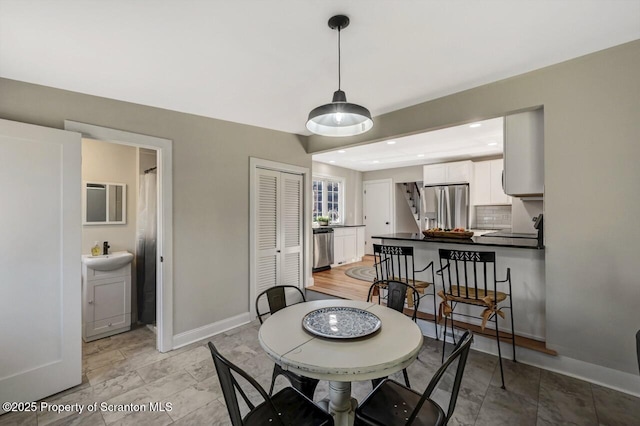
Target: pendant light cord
{"points": [[339, 77]]}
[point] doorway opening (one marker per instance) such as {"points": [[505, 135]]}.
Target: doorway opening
{"points": [[150, 236]]}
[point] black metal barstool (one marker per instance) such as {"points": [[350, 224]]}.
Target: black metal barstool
{"points": [[469, 277], [396, 263]]}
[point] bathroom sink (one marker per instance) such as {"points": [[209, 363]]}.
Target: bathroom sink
{"points": [[108, 262]]}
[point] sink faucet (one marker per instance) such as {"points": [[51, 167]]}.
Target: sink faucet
{"points": [[105, 247]]}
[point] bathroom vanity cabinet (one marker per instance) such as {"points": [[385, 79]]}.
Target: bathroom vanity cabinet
{"points": [[106, 302]]}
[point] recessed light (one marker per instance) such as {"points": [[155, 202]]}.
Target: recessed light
{"points": [[390, 142], [342, 151], [420, 155], [332, 161], [493, 144], [375, 161], [474, 125]]}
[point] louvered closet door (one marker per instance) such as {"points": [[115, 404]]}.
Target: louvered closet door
{"points": [[278, 229], [291, 223], [267, 232]]}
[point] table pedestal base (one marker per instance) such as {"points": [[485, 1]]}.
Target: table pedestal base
{"points": [[340, 404]]}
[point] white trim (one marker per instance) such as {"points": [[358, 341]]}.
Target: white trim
{"points": [[593, 373], [191, 336], [255, 163], [164, 148]]}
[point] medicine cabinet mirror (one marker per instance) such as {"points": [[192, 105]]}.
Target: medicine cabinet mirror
{"points": [[104, 203]]}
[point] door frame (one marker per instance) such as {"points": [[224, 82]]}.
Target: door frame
{"points": [[392, 202], [259, 163], [164, 261]]}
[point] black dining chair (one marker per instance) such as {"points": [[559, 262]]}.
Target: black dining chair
{"points": [[269, 302], [288, 407], [394, 293], [391, 404]]}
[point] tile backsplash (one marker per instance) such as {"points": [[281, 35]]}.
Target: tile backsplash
{"points": [[493, 217]]}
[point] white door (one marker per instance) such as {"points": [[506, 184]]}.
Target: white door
{"points": [[278, 229], [40, 251], [291, 226], [378, 211]]}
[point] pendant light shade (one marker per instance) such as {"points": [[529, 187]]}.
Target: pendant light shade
{"points": [[339, 118]]}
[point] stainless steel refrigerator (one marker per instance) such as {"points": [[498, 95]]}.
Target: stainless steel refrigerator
{"points": [[448, 205]]}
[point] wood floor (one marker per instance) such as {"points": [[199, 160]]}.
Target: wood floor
{"points": [[334, 282]]}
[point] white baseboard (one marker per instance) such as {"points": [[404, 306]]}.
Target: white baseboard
{"points": [[597, 374], [188, 337]]}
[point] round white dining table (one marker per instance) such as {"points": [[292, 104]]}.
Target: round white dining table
{"points": [[341, 361]]}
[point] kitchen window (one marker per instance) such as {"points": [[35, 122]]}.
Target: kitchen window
{"points": [[328, 195]]}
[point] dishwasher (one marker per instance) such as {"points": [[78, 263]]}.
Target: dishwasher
{"points": [[322, 249]]}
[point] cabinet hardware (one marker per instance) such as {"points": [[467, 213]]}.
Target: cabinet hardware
{"points": [[91, 302]]}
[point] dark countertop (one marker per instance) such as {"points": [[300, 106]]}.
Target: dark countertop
{"points": [[337, 226], [525, 243]]}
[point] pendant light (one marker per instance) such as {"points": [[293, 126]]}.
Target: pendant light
{"points": [[339, 118]]}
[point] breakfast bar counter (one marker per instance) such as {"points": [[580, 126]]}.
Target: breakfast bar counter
{"points": [[525, 243], [521, 255]]}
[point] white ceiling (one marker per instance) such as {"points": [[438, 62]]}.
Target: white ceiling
{"points": [[269, 62], [469, 141]]}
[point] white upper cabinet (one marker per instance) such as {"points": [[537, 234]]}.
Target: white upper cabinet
{"points": [[487, 183], [435, 174], [498, 195], [481, 186], [524, 154], [447, 173]]}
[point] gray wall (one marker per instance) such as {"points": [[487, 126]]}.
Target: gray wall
{"points": [[353, 190], [210, 187], [592, 132]]}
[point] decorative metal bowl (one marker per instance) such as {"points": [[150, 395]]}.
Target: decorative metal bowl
{"points": [[341, 322]]}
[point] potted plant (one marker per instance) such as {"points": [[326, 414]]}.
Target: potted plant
{"points": [[322, 220]]}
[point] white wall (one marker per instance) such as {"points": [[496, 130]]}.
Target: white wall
{"points": [[399, 174], [148, 159], [522, 212], [353, 189], [114, 163]]}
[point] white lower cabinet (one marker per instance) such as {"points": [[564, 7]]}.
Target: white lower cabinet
{"points": [[347, 247], [106, 302], [360, 239]]}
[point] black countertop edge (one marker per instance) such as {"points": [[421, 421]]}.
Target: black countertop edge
{"points": [[524, 243], [337, 226]]}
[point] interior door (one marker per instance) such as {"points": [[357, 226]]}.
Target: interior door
{"points": [[278, 229], [40, 218], [378, 212], [291, 225], [267, 230]]}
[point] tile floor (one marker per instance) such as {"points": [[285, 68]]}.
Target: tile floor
{"points": [[126, 369]]}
